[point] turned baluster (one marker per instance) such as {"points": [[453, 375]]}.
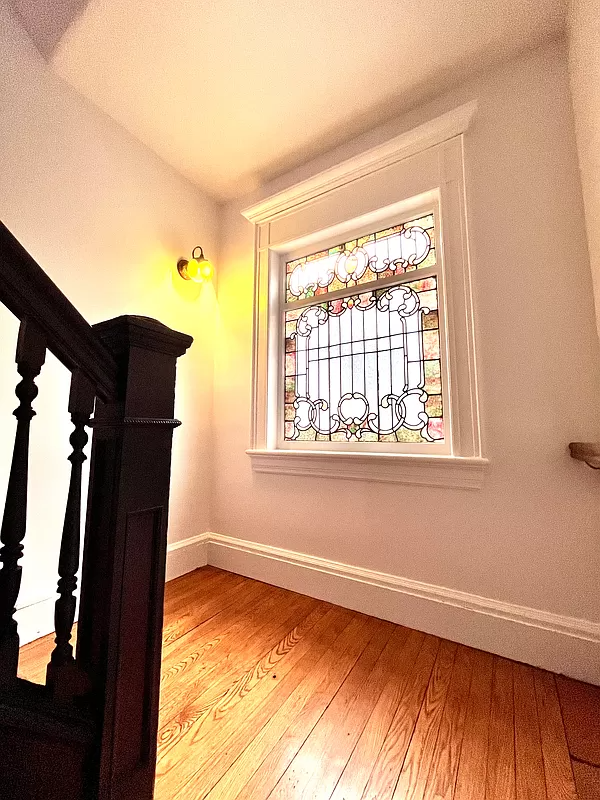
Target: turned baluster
{"points": [[31, 354], [63, 676]]}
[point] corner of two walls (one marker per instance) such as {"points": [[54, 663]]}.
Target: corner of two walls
{"points": [[513, 567], [584, 70], [107, 220]]}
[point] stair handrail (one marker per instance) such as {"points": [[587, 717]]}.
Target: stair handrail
{"points": [[105, 694], [27, 291]]}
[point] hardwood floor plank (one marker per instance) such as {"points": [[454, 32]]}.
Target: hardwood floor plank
{"points": [[203, 583], [313, 768], [349, 648], [230, 735], [500, 776], [580, 705], [246, 643], [445, 759], [587, 780], [213, 721], [211, 644], [281, 631], [198, 607], [472, 766], [417, 764], [247, 598], [560, 784], [219, 626], [345, 736], [529, 762], [268, 693], [385, 772], [177, 586], [34, 657], [330, 652], [357, 771]]}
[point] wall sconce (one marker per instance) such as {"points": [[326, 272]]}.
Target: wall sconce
{"points": [[197, 269]]}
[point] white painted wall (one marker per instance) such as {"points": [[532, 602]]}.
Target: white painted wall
{"points": [[530, 536], [584, 67], [107, 220]]}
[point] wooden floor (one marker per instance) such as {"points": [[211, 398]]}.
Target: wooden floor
{"points": [[270, 694]]}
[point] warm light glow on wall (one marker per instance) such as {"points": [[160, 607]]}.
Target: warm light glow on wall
{"points": [[198, 269], [164, 295]]}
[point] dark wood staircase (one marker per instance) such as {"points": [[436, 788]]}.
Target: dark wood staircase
{"points": [[90, 732]]}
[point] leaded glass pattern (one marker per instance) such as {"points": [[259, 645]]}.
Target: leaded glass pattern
{"points": [[393, 251], [366, 367]]}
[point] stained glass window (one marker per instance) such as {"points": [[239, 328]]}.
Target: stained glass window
{"points": [[392, 251], [365, 366]]}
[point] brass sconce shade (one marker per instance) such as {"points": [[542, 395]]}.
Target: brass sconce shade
{"points": [[197, 269]]}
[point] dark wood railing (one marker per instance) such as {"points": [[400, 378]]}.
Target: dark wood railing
{"points": [[90, 732]]}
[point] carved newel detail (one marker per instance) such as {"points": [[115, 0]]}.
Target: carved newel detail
{"points": [[31, 354]]}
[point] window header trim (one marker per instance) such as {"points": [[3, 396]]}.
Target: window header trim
{"points": [[427, 135]]}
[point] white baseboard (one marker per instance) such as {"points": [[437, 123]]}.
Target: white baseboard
{"points": [[186, 555], [35, 620], [567, 645]]}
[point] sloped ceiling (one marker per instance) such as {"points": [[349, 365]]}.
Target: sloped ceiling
{"points": [[232, 92], [47, 20]]}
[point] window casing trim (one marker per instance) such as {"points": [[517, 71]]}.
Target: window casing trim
{"points": [[430, 179]]}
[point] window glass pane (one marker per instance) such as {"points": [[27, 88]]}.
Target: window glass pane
{"points": [[366, 367], [393, 251]]}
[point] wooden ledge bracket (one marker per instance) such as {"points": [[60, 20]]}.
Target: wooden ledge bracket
{"points": [[586, 451]]}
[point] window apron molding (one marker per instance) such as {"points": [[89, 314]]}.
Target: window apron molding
{"points": [[418, 470]]}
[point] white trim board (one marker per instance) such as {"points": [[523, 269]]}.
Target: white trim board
{"points": [[186, 555], [35, 620], [566, 645], [412, 469], [428, 134], [562, 644]]}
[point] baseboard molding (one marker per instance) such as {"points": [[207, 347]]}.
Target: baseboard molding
{"points": [[35, 620], [186, 555], [562, 644], [567, 645]]}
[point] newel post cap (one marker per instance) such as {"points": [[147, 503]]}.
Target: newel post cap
{"points": [[121, 333]]}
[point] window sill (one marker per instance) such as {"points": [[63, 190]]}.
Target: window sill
{"points": [[422, 470]]}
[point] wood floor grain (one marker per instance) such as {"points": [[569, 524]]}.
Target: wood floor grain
{"points": [[587, 780], [271, 695], [580, 705]]}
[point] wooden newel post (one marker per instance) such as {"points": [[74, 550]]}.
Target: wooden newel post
{"points": [[121, 611]]}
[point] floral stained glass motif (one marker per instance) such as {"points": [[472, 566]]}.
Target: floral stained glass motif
{"points": [[366, 367], [392, 251]]}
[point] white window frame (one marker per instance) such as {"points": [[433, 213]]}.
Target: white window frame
{"points": [[279, 256], [420, 171]]}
